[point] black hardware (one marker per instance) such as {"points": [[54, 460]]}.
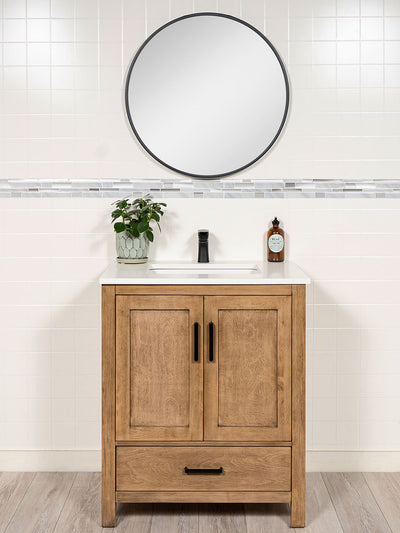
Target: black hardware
{"points": [[211, 341], [203, 246], [196, 341], [209, 471]]}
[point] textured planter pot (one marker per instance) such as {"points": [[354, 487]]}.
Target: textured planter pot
{"points": [[131, 249]]}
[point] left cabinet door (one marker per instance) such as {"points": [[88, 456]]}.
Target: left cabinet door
{"points": [[159, 368]]}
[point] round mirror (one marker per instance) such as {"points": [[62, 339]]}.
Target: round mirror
{"points": [[207, 95]]}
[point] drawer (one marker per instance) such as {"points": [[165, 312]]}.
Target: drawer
{"points": [[184, 468]]}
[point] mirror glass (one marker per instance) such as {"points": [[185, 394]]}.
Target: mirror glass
{"points": [[207, 95]]}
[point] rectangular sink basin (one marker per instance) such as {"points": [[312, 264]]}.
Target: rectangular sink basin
{"points": [[204, 268]]}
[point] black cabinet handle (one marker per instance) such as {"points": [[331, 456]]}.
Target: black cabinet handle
{"points": [[209, 471], [196, 341], [211, 341]]}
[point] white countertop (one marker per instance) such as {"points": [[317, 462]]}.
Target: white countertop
{"points": [[185, 273]]}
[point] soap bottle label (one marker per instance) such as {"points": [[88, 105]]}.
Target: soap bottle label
{"points": [[275, 243]]}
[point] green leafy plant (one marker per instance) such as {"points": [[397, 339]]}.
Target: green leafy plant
{"points": [[135, 216]]}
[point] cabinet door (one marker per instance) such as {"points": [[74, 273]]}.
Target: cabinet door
{"points": [[159, 369], [247, 365]]}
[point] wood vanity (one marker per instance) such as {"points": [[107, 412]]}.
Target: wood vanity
{"points": [[203, 391]]}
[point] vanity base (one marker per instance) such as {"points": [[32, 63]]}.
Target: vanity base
{"points": [[258, 465], [297, 512], [203, 497]]}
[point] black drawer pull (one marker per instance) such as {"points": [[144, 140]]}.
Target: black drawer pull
{"points": [[211, 341], [196, 341], [209, 471]]}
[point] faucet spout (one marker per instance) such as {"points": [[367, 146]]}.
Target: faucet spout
{"points": [[203, 246]]}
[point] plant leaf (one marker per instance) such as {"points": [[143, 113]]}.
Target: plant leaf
{"points": [[134, 232], [136, 215], [143, 226], [119, 227], [149, 235]]}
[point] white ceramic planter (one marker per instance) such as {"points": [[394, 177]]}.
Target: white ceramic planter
{"points": [[131, 249]]}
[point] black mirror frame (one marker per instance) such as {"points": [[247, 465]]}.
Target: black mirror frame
{"points": [[147, 149]]}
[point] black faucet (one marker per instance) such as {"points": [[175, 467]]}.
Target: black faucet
{"points": [[203, 246]]}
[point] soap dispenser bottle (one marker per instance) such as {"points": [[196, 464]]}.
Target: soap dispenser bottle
{"points": [[276, 243]]}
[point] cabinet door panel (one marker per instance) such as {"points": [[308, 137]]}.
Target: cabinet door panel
{"points": [[159, 383], [248, 382]]}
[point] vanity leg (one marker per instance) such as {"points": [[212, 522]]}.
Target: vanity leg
{"points": [[108, 505], [297, 511], [108, 512], [298, 406]]}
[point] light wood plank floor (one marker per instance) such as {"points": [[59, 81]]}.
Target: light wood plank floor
{"points": [[57, 502]]}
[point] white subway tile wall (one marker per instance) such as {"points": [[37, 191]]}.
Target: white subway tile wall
{"points": [[53, 250], [63, 64]]}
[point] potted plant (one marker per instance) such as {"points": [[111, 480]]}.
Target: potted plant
{"points": [[132, 224]]}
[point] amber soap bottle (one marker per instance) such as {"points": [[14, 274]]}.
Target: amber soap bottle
{"points": [[276, 243]]}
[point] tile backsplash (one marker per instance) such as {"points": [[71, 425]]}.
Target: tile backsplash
{"points": [[53, 251], [63, 132], [195, 188]]}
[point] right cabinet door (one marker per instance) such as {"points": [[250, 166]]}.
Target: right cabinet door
{"points": [[247, 368]]}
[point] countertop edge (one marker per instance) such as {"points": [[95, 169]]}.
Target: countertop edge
{"points": [[287, 273], [145, 281]]}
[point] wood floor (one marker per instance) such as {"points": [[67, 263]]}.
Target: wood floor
{"points": [[70, 503]]}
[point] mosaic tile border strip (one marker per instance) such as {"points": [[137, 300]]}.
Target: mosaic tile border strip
{"points": [[195, 188]]}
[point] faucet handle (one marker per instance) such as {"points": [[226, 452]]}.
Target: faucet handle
{"points": [[203, 234]]}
